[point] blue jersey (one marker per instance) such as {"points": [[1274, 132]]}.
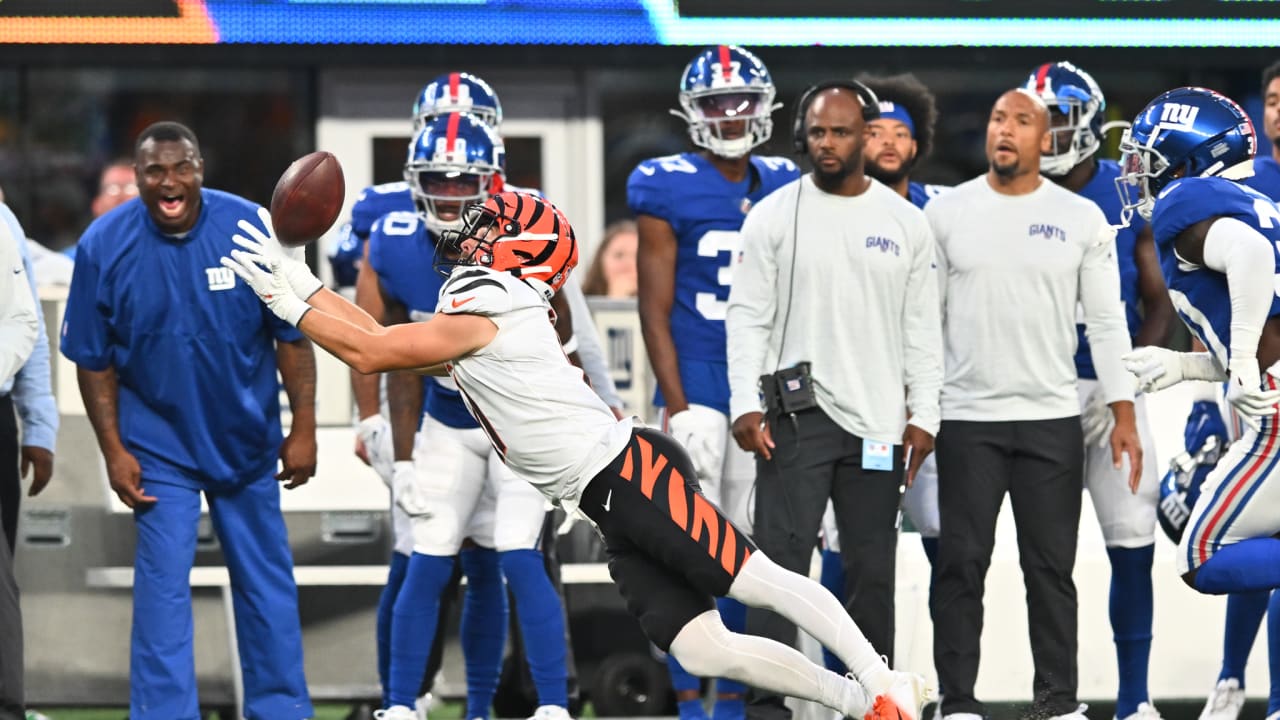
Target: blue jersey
{"points": [[372, 203], [705, 211], [192, 346], [1101, 189], [402, 252], [1199, 294], [920, 194], [1266, 177]]}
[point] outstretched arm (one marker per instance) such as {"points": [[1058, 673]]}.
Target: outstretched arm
{"points": [[349, 333], [441, 339]]}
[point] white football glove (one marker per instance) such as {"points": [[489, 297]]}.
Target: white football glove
{"points": [[375, 433], [701, 430], [1097, 419], [1246, 395], [301, 279], [1157, 368], [404, 488], [266, 277]]}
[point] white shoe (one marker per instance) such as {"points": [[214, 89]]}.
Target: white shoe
{"points": [[1077, 714], [395, 712], [1225, 702], [906, 695], [550, 712], [421, 706], [1145, 711]]}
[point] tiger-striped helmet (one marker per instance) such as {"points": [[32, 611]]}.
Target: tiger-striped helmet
{"points": [[520, 233]]}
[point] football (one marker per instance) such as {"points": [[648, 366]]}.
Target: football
{"points": [[307, 199]]}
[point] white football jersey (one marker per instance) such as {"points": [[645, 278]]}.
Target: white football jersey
{"points": [[535, 406]]}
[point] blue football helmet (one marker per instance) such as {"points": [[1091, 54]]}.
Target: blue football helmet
{"points": [[457, 92], [1071, 94], [1180, 487], [1187, 132], [726, 97], [454, 160]]}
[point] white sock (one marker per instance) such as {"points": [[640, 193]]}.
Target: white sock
{"points": [[706, 648], [765, 584]]}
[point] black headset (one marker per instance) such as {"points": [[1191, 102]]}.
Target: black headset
{"points": [[870, 108]]}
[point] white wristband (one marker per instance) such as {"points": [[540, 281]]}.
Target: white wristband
{"points": [[289, 308]]}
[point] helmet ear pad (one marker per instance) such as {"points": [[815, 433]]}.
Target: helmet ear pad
{"points": [[870, 108]]}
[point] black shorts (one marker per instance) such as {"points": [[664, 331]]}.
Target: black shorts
{"points": [[671, 551]]}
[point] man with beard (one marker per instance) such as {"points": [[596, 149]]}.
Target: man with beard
{"points": [[896, 141], [1016, 254], [834, 422]]}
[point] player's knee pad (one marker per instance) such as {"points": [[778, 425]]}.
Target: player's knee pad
{"points": [[438, 531], [704, 646]]}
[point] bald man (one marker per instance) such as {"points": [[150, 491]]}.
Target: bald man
{"points": [[1016, 253]]}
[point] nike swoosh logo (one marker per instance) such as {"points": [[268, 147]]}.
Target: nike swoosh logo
{"points": [[457, 304], [608, 499], [647, 170]]}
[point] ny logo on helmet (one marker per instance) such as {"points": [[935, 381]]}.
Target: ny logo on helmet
{"points": [[1178, 115]]}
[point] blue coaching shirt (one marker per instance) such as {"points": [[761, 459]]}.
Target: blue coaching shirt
{"points": [[192, 346], [402, 252], [705, 211], [1101, 189], [1200, 295]]}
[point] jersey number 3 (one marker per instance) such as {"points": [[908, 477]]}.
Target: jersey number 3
{"points": [[712, 244]]}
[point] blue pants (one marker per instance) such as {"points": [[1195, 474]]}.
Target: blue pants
{"points": [[250, 528]]}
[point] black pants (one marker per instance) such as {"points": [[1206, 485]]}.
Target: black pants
{"points": [[816, 460], [10, 481], [1040, 464], [671, 551], [11, 659]]}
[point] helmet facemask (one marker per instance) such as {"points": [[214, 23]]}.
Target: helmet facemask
{"points": [[1143, 172], [1071, 116], [728, 121], [441, 194]]}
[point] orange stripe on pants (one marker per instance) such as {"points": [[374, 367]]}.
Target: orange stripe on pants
{"points": [[675, 500], [650, 467]]}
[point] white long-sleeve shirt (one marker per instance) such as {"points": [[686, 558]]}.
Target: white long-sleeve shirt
{"points": [[1012, 270], [863, 307], [19, 324]]}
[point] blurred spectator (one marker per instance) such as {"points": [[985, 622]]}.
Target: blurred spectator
{"points": [[117, 185], [613, 270]]}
